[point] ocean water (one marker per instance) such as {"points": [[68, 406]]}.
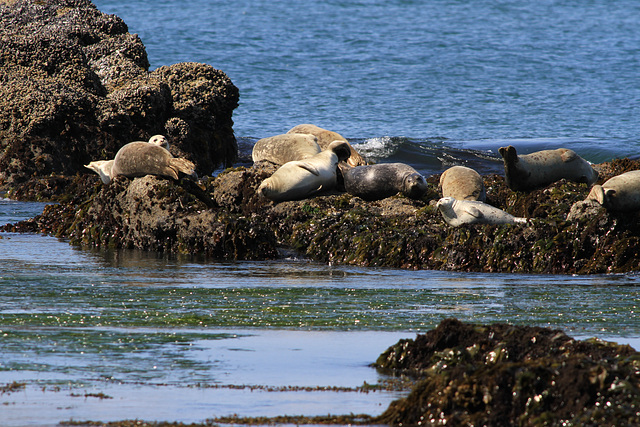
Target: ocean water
{"points": [[112, 335]]}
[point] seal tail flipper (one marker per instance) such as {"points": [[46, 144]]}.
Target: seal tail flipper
{"points": [[183, 165], [519, 220]]}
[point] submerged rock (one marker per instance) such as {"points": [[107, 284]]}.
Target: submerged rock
{"points": [[504, 375], [76, 87]]}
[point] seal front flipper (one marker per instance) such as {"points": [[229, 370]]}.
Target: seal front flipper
{"points": [[473, 211], [308, 166], [568, 155]]}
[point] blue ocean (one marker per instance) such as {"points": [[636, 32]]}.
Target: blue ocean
{"points": [[113, 335]]}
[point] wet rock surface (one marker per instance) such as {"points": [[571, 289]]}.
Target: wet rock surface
{"points": [[76, 87], [224, 218], [505, 375]]}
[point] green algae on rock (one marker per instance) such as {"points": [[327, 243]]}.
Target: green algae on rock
{"points": [[503, 375], [225, 218]]}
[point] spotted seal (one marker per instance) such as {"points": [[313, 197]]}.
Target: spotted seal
{"points": [[326, 137], [280, 149], [458, 212], [620, 193], [376, 182], [300, 179], [539, 169], [462, 183], [141, 158]]}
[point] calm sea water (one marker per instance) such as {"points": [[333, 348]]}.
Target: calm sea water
{"points": [[116, 335]]}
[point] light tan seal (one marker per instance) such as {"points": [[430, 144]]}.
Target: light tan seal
{"points": [[300, 179], [539, 169], [462, 183], [620, 193], [459, 212], [141, 158], [280, 149], [326, 137], [103, 167], [159, 140]]}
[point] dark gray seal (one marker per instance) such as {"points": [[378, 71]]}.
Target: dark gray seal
{"points": [[376, 182]]}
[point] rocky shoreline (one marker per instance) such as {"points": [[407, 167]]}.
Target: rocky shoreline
{"points": [[115, 99], [224, 218], [79, 88]]}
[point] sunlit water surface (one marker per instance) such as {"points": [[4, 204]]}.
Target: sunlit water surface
{"points": [[112, 335]]}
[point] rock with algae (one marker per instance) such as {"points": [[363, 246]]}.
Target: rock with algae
{"points": [[503, 375], [396, 232], [76, 87]]}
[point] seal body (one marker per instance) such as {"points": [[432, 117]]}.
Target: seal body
{"points": [[141, 158], [326, 137], [300, 179], [462, 183], [539, 169], [620, 193], [376, 182], [459, 212], [280, 149]]}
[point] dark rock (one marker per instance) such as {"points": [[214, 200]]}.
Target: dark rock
{"points": [[75, 87], [504, 375], [160, 214]]}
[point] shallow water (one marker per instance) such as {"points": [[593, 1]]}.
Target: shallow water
{"points": [[110, 335]]}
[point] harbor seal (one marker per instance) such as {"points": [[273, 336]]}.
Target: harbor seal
{"points": [[300, 179], [102, 168], [539, 169], [160, 141], [458, 212], [376, 182], [462, 183], [141, 158], [280, 149], [326, 137], [620, 193]]}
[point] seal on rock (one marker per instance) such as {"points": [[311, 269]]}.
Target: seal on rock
{"points": [[102, 168], [160, 141], [458, 212], [539, 169], [376, 182], [280, 149], [326, 137], [141, 158], [462, 183], [620, 193], [300, 179]]}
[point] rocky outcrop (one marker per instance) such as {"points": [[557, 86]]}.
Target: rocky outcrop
{"points": [[225, 218], [505, 375], [75, 87]]}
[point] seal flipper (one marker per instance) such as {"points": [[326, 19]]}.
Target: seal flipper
{"points": [[568, 155], [473, 211], [309, 167]]}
